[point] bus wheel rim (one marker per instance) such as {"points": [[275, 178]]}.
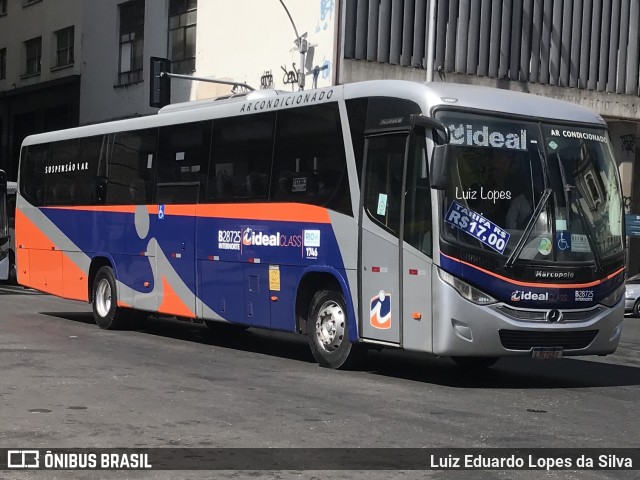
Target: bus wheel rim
{"points": [[103, 297], [330, 326]]}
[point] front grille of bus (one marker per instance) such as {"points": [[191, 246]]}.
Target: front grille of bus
{"points": [[539, 315], [522, 340]]}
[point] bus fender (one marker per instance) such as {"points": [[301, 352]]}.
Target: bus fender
{"points": [[340, 276], [104, 258]]}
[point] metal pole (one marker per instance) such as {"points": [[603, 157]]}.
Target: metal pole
{"points": [[302, 46], [431, 44], [210, 80]]}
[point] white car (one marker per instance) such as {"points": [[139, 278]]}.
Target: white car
{"points": [[632, 295]]}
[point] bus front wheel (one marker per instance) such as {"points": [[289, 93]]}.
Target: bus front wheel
{"points": [[104, 299], [328, 329]]}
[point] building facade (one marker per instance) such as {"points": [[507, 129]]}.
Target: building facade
{"points": [[249, 42], [40, 58]]}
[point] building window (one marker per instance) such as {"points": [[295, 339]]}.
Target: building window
{"points": [[64, 46], [131, 42], [182, 35], [3, 63], [33, 54]]}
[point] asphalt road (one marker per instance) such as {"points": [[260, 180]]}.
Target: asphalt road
{"points": [[66, 383]]}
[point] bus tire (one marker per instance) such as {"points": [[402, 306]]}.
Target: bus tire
{"points": [[104, 299], [636, 309], [328, 330], [475, 363]]}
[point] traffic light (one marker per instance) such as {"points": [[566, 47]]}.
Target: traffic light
{"points": [[160, 87]]}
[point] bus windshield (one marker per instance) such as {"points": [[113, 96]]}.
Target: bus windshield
{"points": [[526, 191]]}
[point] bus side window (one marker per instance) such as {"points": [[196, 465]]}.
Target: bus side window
{"points": [[417, 208], [63, 170], [183, 157], [91, 160], [309, 162], [130, 167], [383, 180], [241, 157], [33, 173]]}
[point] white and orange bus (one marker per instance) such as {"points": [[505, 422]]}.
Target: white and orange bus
{"points": [[463, 221]]}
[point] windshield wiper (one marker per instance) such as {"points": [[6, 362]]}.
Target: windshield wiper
{"points": [[529, 228]]}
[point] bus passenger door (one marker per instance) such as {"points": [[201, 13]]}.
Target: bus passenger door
{"points": [[380, 219], [417, 264]]}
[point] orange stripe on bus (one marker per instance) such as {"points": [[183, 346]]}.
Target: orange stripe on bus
{"points": [[285, 212], [540, 285], [171, 303]]}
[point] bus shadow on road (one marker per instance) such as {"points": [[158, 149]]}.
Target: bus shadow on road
{"points": [[233, 337], [516, 373], [80, 317]]}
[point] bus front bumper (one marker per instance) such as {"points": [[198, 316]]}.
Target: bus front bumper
{"points": [[466, 329]]}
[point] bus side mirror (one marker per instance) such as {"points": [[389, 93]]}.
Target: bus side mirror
{"points": [[439, 174], [4, 218]]}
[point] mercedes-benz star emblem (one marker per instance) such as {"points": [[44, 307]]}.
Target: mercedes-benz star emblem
{"points": [[553, 316]]}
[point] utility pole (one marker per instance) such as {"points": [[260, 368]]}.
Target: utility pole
{"points": [[431, 43], [302, 45]]}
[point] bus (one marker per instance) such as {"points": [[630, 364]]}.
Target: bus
{"points": [[458, 220], [4, 227]]}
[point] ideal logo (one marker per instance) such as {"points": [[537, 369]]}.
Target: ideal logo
{"points": [[537, 297], [380, 312], [481, 136], [250, 237], [261, 239]]}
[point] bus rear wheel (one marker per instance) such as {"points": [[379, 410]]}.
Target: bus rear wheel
{"points": [[104, 299], [328, 330], [470, 363]]}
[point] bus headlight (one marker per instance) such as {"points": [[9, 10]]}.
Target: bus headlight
{"points": [[614, 297], [465, 290]]}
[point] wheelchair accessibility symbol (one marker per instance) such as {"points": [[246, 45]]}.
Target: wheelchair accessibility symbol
{"points": [[564, 243], [160, 212]]}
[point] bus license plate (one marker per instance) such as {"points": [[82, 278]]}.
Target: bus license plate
{"points": [[546, 353]]}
